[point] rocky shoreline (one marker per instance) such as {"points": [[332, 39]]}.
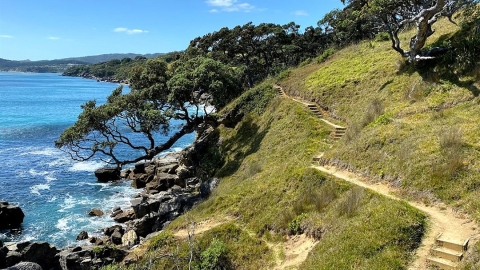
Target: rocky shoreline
{"points": [[169, 186], [98, 79]]}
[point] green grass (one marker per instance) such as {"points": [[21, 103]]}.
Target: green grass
{"points": [[421, 108], [417, 128], [269, 191]]}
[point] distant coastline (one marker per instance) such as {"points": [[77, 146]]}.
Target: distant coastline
{"points": [[98, 79]]}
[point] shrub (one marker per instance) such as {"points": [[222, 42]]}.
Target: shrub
{"points": [[325, 55], [161, 240], [382, 36], [283, 75], [215, 256], [294, 227]]}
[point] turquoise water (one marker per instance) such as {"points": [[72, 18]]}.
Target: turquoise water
{"points": [[54, 192]]}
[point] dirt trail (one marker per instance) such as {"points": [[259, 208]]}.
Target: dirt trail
{"points": [[453, 226], [288, 255]]}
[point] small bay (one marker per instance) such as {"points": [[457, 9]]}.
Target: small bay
{"points": [[54, 192]]}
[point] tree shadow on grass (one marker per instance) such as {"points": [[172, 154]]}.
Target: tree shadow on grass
{"points": [[246, 142], [435, 71], [455, 57]]}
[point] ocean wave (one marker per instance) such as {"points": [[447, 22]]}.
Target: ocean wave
{"points": [[49, 151], [37, 188], [59, 162], [62, 224], [68, 203], [86, 166], [48, 175]]}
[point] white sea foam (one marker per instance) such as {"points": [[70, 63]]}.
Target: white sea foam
{"points": [[44, 152], [54, 198], [34, 172], [50, 177], [59, 162], [37, 188], [68, 203], [87, 166], [62, 224]]}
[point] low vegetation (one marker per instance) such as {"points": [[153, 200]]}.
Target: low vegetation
{"points": [[269, 192], [413, 125]]}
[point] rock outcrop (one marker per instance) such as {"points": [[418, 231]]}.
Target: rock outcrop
{"points": [[171, 185], [89, 257], [10, 216], [107, 174], [41, 253]]}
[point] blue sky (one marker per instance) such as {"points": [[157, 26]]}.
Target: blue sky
{"points": [[53, 29]]}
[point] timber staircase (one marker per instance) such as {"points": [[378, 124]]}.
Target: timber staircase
{"points": [[338, 131], [446, 254]]}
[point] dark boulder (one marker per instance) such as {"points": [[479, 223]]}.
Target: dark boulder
{"points": [[95, 213], [90, 257], [82, 236], [116, 237], [125, 216], [42, 253], [12, 258], [3, 259], [107, 174], [116, 211], [110, 230], [10, 216], [25, 266]]}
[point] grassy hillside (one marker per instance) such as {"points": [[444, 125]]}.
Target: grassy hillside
{"points": [[267, 192], [415, 127]]}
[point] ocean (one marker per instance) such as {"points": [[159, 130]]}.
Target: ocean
{"points": [[54, 192]]}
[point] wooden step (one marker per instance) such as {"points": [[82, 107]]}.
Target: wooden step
{"points": [[317, 158], [446, 253], [460, 247], [442, 263]]}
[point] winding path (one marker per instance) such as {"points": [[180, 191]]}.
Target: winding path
{"points": [[443, 220]]}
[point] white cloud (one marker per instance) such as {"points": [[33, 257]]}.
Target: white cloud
{"points": [[221, 3], [229, 6], [6, 36], [301, 13], [53, 38], [129, 31]]}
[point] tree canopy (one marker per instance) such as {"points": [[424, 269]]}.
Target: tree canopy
{"points": [[158, 95], [393, 16]]}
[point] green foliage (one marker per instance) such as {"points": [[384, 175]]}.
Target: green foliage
{"points": [[295, 226], [325, 55], [215, 256], [283, 75], [254, 100], [158, 96], [383, 119], [165, 238], [382, 36]]}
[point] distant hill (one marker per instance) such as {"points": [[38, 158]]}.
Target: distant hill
{"points": [[60, 65], [107, 57]]}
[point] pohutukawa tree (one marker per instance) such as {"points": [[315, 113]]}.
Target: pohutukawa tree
{"points": [[396, 15], [158, 96]]}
